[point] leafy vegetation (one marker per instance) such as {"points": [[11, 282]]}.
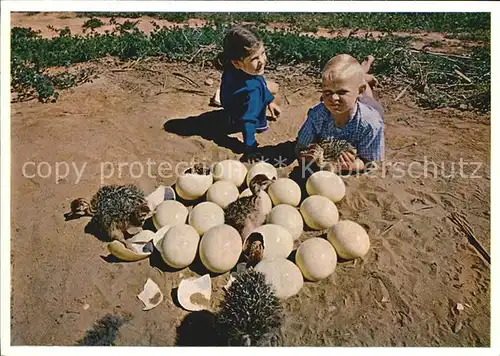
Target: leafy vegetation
{"points": [[476, 25], [92, 24], [437, 80]]}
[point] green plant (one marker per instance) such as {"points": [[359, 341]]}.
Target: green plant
{"points": [[92, 24], [476, 24], [432, 78]]}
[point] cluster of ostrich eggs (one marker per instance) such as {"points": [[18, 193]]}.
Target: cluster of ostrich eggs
{"points": [[183, 233], [317, 257]]}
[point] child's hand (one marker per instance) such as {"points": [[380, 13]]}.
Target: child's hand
{"points": [[347, 162], [275, 110]]}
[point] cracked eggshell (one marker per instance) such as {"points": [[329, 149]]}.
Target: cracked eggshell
{"points": [[278, 241], [194, 294], [231, 170], [266, 206], [283, 275], [179, 246], [222, 193], [157, 239], [327, 184], [261, 168], [204, 216], [160, 194], [170, 212], [319, 212], [285, 191], [118, 249], [220, 248], [191, 186], [151, 295], [349, 239], [143, 236], [316, 259], [287, 216]]}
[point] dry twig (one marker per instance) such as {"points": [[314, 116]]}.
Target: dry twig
{"points": [[464, 225], [402, 92], [445, 55], [418, 209], [389, 228], [187, 79]]}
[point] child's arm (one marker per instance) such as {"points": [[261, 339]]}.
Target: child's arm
{"points": [[252, 107], [305, 137], [271, 90], [371, 147]]}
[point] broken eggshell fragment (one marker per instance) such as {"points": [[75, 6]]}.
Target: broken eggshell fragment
{"points": [[118, 249], [159, 235], [161, 194], [194, 294], [151, 296]]}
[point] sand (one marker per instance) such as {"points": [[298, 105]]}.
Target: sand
{"points": [[404, 292]]}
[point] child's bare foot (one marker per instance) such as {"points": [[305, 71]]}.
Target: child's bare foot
{"points": [[371, 80], [367, 63]]}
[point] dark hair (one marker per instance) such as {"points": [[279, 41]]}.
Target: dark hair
{"points": [[239, 42]]}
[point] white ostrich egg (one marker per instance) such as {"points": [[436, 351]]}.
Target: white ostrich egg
{"points": [[220, 248], [285, 191], [316, 259], [319, 212], [223, 193], [170, 212], [206, 215], [283, 275], [287, 216], [278, 241], [327, 184], [266, 206], [179, 246], [193, 186], [231, 170], [261, 168], [349, 239]]}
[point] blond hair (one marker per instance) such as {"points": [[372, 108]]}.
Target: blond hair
{"points": [[343, 67]]}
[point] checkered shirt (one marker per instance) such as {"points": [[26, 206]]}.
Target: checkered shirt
{"points": [[364, 130]]}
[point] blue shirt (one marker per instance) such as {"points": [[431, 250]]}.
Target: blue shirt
{"points": [[364, 130], [245, 97]]}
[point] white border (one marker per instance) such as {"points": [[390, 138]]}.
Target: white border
{"points": [[252, 6], [239, 6]]}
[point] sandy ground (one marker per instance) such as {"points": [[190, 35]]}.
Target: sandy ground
{"points": [[404, 292]]}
